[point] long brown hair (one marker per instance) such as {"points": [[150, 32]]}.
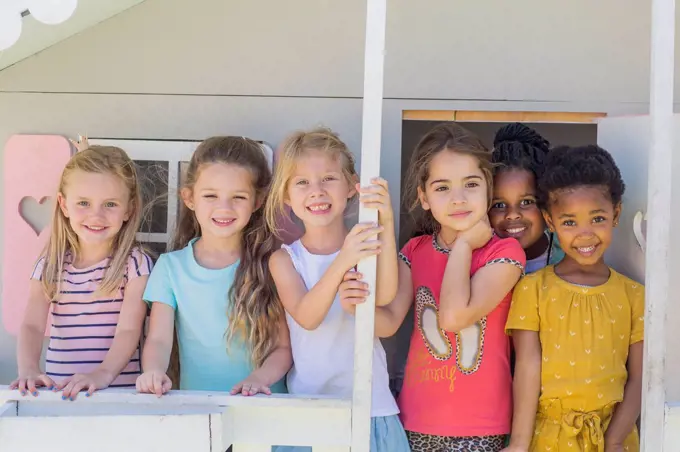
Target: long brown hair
{"points": [[450, 137], [63, 240], [254, 308], [318, 139]]}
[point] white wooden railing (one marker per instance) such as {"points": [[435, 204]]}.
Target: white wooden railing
{"points": [[122, 420]]}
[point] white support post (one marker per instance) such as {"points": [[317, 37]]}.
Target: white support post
{"points": [[658, 233], [374, 58]]}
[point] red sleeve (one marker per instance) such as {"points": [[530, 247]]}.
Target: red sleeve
{"points": [[504, 251], [406, 253]]}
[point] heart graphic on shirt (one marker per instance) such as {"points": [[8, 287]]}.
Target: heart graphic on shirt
{"points": [[469, 346], [469, 341], [436, 340], [36, 214]]}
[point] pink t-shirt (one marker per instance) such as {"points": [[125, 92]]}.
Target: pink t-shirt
{"points": [[83, 322], [456, 384]]}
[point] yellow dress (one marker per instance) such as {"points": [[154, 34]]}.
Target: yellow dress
{"points": [[585, 335]]}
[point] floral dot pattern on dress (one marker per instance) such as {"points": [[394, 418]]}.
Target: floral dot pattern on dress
{"points": [[585, 335]]}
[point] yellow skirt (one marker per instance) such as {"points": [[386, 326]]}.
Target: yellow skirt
{"points": [[561, 430]]}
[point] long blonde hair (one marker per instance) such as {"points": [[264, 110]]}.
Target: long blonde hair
{"points": [[254, 309], [63, 240], [318, 139]]}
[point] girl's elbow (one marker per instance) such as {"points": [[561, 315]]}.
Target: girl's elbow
{"points": [[28, 329], [307, 324], [453, 322], [384, 301], [304, 319]]}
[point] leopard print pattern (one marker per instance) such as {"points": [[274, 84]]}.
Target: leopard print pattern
{"points": [[438, 247], [405, 259], [421, 442], [502, 260], [506, 260]]}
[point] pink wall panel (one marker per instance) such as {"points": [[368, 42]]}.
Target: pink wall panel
{"points": [[32, 168]]}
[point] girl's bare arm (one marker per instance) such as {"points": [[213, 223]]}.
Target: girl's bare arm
{"points": [[628, 410], [30, 341], [464, 300], [526, 387]]}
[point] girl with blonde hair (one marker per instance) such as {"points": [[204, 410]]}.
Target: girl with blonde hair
{"points": [[90, 278], [316, 179]]}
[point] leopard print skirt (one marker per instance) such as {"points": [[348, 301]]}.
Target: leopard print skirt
{"points": [[421, 442]]}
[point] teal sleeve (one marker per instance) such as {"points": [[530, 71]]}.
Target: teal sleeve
{"points": [[159, 288]]}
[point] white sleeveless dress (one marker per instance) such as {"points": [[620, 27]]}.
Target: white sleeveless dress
{"points": [[323, 359]]}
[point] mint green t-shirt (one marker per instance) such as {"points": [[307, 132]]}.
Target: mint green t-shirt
{"points": [[199, 297]]}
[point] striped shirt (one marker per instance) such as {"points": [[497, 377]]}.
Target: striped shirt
{"points": [[83, 322]]}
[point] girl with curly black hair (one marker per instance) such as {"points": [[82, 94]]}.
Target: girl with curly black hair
{"points": [[578, 326], [518, 154]]}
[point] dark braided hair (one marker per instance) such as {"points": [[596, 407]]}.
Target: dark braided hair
{"points": [[571, 167], [517, 146]]}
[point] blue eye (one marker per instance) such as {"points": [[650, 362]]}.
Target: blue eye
{"points": [[83, 203], [111, 204]]}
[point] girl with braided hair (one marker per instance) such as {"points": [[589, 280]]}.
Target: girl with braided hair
{"points": [[519, 152]]}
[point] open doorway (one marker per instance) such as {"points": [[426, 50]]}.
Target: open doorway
{"points": [[558, 128]]}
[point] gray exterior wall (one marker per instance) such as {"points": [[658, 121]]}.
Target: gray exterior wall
{"points": [[189, 69]]}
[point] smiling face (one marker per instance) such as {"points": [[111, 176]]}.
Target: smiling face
{"points": [[584, 219], [223, 199], [455, 191], [96, 205], [318, 189], [514, 212]]}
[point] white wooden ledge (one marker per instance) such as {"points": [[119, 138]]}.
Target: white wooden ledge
{"points": [[114, 420]]}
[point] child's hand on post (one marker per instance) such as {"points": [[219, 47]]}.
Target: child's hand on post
{"points": [[478, 235], [81, 144], [91, 382], [251, 386], [31, 381], [352, 291], [360, 243], [377, 196], [154, 382]]}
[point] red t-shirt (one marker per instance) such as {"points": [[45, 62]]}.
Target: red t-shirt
{"points": [[457, 384]]}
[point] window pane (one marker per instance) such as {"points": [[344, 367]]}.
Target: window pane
{"points": [[155, 249], [153, 177]]}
